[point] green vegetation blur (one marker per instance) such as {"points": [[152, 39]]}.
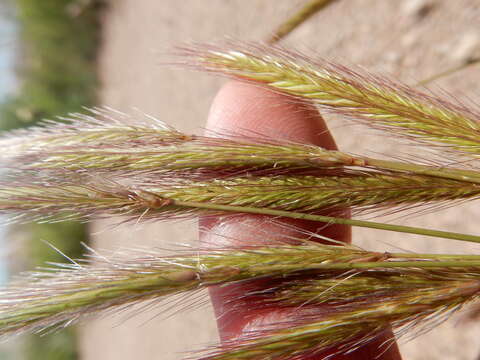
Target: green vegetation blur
{"points": [[57, 75], [56, 63]]}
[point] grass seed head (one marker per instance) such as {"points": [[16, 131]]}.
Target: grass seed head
{"points": [[376, 101]]}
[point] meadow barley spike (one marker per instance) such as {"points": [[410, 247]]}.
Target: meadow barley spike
{"points": [[338, 313], [303, 275], [376, 101], [66, 294]]}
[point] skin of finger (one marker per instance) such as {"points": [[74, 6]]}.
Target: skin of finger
{"points": [[250, 109]]}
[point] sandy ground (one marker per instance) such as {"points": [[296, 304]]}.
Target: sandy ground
{"points": [[409, 39]]}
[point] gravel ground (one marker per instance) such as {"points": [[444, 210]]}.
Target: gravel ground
{"points": [[408, 39]]}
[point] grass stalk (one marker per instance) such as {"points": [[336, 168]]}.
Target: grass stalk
{"points": [[466, 64], [303, 14], [334, 220]]}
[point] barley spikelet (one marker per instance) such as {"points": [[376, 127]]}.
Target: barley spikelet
{"points": [[150, 149], [356, 309], [359, 191], [377, 101], [97, 128], [308, 194], [59, 297], [223, 155], [48, 299], [147, 152]]}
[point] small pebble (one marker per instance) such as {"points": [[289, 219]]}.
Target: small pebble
{"points": [[418, 8], [467, 47]]}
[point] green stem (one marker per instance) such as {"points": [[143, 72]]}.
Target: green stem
{"points": [[448, 72], [432, 256], [302, 15], [331, 220], [452, 174], [396, 264]]}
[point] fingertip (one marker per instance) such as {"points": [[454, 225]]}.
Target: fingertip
{"points": [[242, 106]]}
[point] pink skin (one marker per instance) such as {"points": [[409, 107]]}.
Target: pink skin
{"points": [[236, 108]]}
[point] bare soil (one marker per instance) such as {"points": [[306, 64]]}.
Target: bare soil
{"points": [[408, 39]]}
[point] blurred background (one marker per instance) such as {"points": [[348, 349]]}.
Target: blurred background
{"points": [[57, 56], [48, 61]]}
